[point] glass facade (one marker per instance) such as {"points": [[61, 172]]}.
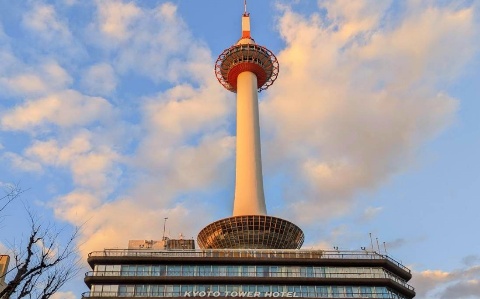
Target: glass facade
{"points": [[248, 291]]}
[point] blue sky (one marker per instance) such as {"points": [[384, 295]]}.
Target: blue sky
{"points": [[111, 116]]}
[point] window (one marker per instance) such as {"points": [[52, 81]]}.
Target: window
{"points": [[222, 271], [156, 290], [232, 271], [336, 291], [163, 270], [168, 289], [122, 290], [99, 267], [155, 270], [319, 271], [188, 270], [127, 270], [176, 291], [126, 290], [263, 289], [349, 292], [274, 271], [173, 270], [141, 290], [322, 291], [141, 270], [311, 291], [261, 271], [366, 292]]}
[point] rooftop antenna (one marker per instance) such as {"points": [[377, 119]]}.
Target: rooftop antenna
{"points": [[164, 223], [245, 13], [371, 241], [378, 246], [385, 247]]}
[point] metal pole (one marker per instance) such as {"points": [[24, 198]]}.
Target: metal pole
{"points": [[371, 241], [164, 223]]}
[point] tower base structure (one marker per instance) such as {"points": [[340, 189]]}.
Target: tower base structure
{"points": [[251, 232]]}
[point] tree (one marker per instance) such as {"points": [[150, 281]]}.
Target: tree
{"points": [[40, 265]]}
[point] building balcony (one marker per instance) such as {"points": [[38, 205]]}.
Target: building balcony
{"points": [[301, 276], [255, 257]]}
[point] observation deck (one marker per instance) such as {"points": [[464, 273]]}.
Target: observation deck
{"points": [[251, 232], [246, 57]]}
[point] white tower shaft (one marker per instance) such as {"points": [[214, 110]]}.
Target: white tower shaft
{"points": [[249, 195]]}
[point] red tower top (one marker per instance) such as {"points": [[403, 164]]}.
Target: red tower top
{"points": [[244, 56]]}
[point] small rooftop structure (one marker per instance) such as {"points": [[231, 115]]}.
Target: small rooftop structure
{"points": [[165, 244]]}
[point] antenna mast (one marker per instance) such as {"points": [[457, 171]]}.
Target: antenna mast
{"points": [[245, 13], [164, 223]]}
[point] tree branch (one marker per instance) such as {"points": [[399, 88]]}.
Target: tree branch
{"points": [[42, 267]]}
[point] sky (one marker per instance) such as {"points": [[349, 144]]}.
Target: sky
{"points": [[111, 119]]}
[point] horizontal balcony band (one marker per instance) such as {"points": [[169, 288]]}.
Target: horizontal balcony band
{"points": [[253, 257], [114, 274], [200, 280]]}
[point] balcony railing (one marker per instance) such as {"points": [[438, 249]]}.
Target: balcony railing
{"points": [[383, 274], [258, 253]]}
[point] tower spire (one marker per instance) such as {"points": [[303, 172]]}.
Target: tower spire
{"points": [[246, 23]]}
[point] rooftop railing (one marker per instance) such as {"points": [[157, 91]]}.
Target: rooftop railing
{"points": [[249, 253]]}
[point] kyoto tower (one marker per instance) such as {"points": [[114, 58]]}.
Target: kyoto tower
{"points": [[246, 69]]}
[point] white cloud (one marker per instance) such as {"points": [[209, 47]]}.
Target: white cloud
{"points": [[354, 18], [63, 295], [20, 163], [41, 79], [115, 18], [355, 98], [64, 109], [44, 19], [370, 213], [92, 164], [154, 43], [112, 224], [184, 111], [100, 79], [185, 126], [463, 283], [76, 207], [469, 289]]}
